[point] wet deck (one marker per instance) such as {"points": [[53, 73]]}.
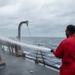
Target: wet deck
{"points": [[20, 66]]}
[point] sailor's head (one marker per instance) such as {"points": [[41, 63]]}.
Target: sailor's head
{"points": [[70, 30]]}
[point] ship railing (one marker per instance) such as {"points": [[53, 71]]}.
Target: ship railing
{"points": [[45, 58]]}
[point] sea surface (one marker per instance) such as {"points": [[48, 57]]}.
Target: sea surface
{"points": [[49, 42]]}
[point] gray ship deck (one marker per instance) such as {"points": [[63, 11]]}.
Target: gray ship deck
{"points": [[20, 66]]}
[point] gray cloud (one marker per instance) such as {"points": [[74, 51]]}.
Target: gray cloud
{"points": [[45, 16]]}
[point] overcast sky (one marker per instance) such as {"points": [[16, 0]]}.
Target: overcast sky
{"points": [[47, 18]]}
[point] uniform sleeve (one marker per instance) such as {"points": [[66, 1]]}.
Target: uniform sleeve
{"points": [[59, 52]]}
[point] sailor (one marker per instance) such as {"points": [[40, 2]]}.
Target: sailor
{"points": [[66, 52]]}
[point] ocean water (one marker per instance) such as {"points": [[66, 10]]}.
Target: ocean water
{"points": [[45, 41], [49, 42]]}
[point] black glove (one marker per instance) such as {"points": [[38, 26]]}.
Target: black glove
{"points": [[52, 50]]}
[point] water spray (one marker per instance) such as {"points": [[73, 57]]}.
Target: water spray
{"points": [[35, 47]]}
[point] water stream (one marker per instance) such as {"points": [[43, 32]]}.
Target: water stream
{"points": [[41, 48]]}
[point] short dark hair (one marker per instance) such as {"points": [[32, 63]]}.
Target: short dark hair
{"points": [[71, 28]]}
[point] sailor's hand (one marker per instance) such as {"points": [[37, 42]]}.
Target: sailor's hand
{"points": [[52, 50]]}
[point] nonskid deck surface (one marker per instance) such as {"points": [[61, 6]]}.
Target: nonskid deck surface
{"points": [[20, 66]]}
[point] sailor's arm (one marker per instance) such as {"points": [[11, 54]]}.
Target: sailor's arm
{"points": [[59, 51]]}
